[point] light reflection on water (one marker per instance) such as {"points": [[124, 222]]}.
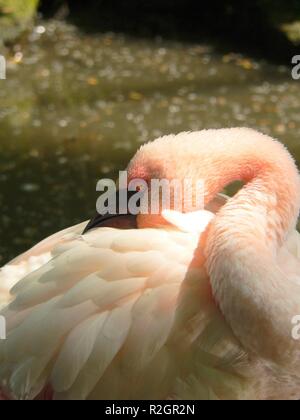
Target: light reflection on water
{"points": [[75, 107]]}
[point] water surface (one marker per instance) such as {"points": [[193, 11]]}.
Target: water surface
{"points": [[75, 107]]}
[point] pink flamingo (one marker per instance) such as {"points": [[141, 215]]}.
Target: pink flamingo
{"points": [[187, 306]]}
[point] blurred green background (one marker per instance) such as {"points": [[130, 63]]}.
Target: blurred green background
{"points": [[88, 82]]}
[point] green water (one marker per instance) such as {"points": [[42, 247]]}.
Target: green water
{"points": [[75, 107]]}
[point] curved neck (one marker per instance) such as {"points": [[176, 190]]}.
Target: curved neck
{"points": [[256, 298]]}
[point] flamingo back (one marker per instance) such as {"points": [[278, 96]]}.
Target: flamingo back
{"points": [[118, 314]]}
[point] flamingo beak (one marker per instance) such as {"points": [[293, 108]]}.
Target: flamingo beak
{"points": [[107, 220]]}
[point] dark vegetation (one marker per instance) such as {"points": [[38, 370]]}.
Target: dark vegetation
{"points": [[251, 26]]}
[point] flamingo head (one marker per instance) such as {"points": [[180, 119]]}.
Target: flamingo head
{"points": [[161, 161]]}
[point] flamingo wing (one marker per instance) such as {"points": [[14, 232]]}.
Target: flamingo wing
{"points": [[119, 314], [32, 260]]}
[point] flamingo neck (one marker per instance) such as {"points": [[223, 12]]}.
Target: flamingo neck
{"points": [[256, 298]]}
